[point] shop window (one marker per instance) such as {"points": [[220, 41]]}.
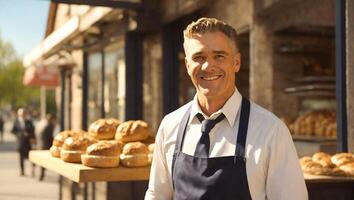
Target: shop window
{"points": [[94, 86], [114, 85], [113, 90]]}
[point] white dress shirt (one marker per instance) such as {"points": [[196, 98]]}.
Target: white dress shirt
{"points": [[273, 170]]}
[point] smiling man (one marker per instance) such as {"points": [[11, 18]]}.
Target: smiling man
{"points": [[220, 145]]}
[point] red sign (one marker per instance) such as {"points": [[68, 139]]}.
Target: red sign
{"points": [[41, 76]]}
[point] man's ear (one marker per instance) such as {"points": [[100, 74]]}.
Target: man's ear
{"points": [[237, 62]]}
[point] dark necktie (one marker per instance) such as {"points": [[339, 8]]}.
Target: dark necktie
{"points": [[202, 150]]}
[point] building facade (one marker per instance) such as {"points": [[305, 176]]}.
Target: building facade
{"points": [[127, 61]]}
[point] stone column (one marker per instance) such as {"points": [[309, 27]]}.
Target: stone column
{"points": [[76, 103], [261, 65], [350, 72], [152, 81]]}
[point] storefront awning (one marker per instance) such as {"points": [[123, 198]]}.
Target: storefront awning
{"points": [[50, 43], [41, 76], [56, 40], [127, 4]]}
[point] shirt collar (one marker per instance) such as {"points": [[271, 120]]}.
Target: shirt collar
{"points": [[230, 108]]}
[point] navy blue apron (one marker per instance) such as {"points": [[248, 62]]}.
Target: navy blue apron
{"points": [[219, 178]]}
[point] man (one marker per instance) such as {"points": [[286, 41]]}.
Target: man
{"points": [[45, 134], [239, 151], [24, 130], [1, 128]]}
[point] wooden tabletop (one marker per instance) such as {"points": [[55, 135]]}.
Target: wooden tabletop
{"points": [[80, 173]]}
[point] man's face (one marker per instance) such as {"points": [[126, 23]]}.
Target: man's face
{"points": [[212, 61], [21, 112]]}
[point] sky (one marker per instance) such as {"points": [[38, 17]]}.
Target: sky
{"points": [[23, 23]]}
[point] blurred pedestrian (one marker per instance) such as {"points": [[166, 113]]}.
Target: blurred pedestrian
{"points": [[1, 128], [46, 138], [24, 130]]}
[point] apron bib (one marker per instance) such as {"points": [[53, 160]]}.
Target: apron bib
{"points": [[219, 178]]}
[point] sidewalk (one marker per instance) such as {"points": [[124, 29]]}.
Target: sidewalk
{"points": [[16, 187]]}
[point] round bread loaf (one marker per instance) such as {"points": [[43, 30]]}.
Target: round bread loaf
{"points": [[73, 147], [135, 154], [304, 160], [60, 138], [340, 159], [102, 154], [132, 131], [322, 158], [104, 129], [336, 171], [315, 168], [55, 151], [348, 168]]}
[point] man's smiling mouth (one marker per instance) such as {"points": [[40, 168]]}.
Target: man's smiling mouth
{"points": [[210, 78]]}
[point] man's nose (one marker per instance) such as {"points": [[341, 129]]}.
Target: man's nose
{"points": [[208, 64]]}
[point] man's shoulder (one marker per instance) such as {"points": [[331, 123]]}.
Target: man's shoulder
{"points": [[263, 115]]}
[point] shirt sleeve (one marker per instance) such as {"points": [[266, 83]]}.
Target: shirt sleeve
{"points": [[285, 179], [160, 187]]}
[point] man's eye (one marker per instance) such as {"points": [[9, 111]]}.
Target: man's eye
{"points": [[219, 57], [199, 58]]}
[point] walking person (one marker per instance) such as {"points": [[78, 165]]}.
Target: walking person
{"points": [[24, 130], [46, 138], [1, 128], [222, 145]]}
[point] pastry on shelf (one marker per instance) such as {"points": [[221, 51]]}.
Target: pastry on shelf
{"points": [[323, 158], [340, 159], [340, 164], [348, 168]]}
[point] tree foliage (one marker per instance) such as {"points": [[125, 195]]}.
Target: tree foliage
{"points": [[7, 53], [12, 91]]}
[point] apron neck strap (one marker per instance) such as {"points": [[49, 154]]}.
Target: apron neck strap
{"points": [[242, 130], [180, 138]]}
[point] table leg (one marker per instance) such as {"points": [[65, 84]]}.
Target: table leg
{"points": [[73, 190], [60, 187], [93, 184], [85, 191]]}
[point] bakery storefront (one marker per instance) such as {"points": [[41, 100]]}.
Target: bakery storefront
{"points": [[94, 49], [124, 60]]}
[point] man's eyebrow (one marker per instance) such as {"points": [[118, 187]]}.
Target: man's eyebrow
{"points": [[197, 53], [220, 52]]}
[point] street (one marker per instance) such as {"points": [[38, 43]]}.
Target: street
{"points": [[16, 187]]}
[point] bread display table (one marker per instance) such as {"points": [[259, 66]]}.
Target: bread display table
{"points": [[79, 173], [329, 187]]}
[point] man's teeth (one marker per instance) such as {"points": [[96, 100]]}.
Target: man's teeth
{"points": [[210, 78]]}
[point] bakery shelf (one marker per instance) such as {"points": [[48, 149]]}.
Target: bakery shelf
{"points": [[313, 86], [80, 173], [322, 94], [316, 79], [321, 178], [308, 138]]}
